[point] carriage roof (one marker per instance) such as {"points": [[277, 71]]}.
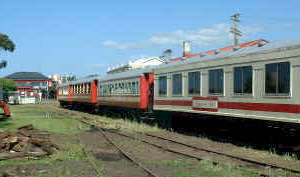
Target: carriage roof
{"points": [[252, 50], [127, 74], [79, 81]]}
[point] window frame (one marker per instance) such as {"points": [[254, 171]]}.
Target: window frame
{"points": [[181, 85], [277, 94], [159, 86], [223, 82], [242, 81], [188, 83]]}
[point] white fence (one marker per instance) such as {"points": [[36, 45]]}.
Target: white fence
{"points": [[27, 100], [21, 100]]}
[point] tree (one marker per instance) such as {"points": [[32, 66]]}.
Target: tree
{"points": [[52, 90], [6, 44], [7, 84]]}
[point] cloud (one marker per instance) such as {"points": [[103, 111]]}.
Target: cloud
{"points": [[250, 30], [202, 37], [114, 44], [118, 45]]}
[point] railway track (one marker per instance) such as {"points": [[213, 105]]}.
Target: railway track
{"points": [[110, 141], [123, 152], [191, 151], [197, 153]]}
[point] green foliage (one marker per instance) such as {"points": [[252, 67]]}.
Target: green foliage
{"points": [[6, 43], [52, 90], [7, 84]]}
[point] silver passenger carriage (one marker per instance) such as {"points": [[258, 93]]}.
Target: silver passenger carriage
{"points": [[254, 82]]}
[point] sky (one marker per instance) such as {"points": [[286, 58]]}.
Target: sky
{"points": [[84, 37]]}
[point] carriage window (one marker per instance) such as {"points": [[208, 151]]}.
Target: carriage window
{"points": [[137, 88], [106, 89], [110, 87], [133, 87], [177, 84], [162, 83], [129, 88], [216, 81], [194, 82], [243, 80], [125, 88], [278, 78]]}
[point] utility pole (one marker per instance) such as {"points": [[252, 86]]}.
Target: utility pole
{"points": [[234, 28]]}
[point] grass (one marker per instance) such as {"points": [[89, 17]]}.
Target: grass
{"points": [[204, 168], [49, 120], [42, 119], [46, 118], [125, 124]]}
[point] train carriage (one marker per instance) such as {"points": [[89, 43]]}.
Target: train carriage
{"points": [[78, 92], [254, 82], [131, 89]]}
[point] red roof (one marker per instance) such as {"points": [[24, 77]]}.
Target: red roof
{"points": [[258, 43]]}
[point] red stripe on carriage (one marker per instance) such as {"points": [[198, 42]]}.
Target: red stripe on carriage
{"points": [[174, 102], [268, 107]]}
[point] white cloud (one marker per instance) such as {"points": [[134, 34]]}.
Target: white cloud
{"points": [[202, 37], [118, 45], [251, 29], [114, 44]]}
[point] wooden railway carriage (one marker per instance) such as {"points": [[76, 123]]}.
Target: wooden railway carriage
{"points": [[255, 82], [78, 92], [131, 89]]}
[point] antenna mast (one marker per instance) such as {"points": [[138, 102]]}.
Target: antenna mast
{"points": [[234, 28]]}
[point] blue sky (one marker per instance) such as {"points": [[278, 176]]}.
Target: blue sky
{"points": [[86, 36]]}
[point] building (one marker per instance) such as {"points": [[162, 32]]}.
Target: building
{"points": [[136, 64], [30, 83]]}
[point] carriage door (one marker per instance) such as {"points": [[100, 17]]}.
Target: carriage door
{"points": [[151, 97]]}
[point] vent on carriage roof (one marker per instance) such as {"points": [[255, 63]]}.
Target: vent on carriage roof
{"points": [[27, 76]]}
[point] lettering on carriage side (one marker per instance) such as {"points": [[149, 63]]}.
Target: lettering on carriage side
{"points": [[211, 104], [205, 104]]}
